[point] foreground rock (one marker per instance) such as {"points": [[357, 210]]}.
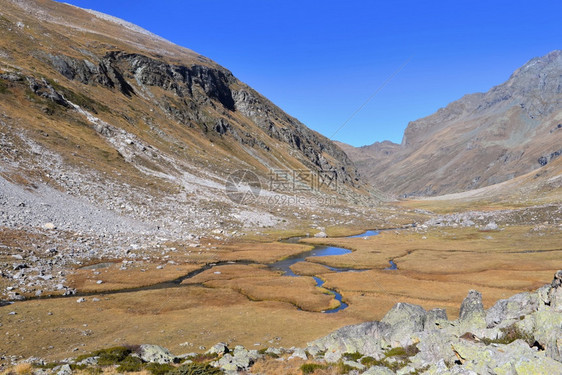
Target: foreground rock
{"points": [[518, 335]]}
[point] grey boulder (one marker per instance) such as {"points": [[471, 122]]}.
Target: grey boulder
{"points": [[156, 354]]}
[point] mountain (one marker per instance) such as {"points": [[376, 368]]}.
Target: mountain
{"points": [[479, 140], [99, 114]]}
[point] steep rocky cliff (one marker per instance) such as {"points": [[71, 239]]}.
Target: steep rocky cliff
{"points": [[89, 101]]}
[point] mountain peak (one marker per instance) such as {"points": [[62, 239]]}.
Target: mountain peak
{"points": [[478, 140]]}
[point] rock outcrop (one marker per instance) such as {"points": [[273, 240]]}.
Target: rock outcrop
{"points": [[517, 335]]}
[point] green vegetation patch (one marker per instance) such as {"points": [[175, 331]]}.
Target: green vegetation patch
{"points": [[78, 98], [3, 87], [510, 334], [109, 356], [204, 357], [395, 358], [353, 356], [130, 364], [196, 369], [159, 369], [309, 368], [408, 351]]}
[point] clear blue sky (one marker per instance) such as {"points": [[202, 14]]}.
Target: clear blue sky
{"points": [[320, 60]]}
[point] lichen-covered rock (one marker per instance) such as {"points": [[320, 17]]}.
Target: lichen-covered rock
{"points": [[512, 308], [404, 319], [545, 326], [313, 350], [514, 358], [64, 370], [433, 346], [156, 354], [435, 318], [365, 338], [378, 370], [555, 292], [298, 353], [219, 348], [240, 360], [355, 365], [472, 310]]}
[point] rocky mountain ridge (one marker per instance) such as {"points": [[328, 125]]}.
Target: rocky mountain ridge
{"points": [[479, 140], [111, 104], [113, 139]]}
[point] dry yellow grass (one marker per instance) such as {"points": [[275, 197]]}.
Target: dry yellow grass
{"points": [[19, 369], [268, 366], [180, 318], [252, 304], [259, 283], [85, 280], [309, 269], [263, 252], [440, 270]]}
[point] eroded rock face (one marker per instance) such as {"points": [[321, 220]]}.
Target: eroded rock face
{"points": [[471, 141], [201, 86], [435, 318], [555, 293], [512, 308], [365, 338], [404, 320], [472, 310]]}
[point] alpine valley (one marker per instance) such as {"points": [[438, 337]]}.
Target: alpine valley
{"points": [[159, 216]]}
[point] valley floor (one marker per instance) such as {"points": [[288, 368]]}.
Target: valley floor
{"points": [[234, 297]]}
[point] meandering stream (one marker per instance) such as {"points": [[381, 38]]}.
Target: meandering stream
{"points": [[282, 265], [321, 251]]}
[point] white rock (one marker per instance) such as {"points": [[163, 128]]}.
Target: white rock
{"points": [[49, 226]]}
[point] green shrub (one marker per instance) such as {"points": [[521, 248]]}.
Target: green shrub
{"points": [[111, 356], [421, 370], [196, 369], [309, 368], [510, 334], [159, 369], [343, 368], [130, 364], [3, 87], [204, 357], [408, 351], [370, 361], [353, 356]]}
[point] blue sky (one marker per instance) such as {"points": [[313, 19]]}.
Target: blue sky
{"points": [[321, 60]]}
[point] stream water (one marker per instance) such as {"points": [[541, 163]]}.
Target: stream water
{"points": [[282, 265], [321, 251]]}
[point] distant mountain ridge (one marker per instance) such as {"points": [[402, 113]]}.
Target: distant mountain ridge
{"points": [[476, 141]]}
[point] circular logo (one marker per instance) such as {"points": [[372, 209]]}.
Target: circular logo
{"points": [[242, 186]]}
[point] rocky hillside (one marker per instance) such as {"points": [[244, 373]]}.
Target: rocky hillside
{"points": [[476, 141], [99, 114]]}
